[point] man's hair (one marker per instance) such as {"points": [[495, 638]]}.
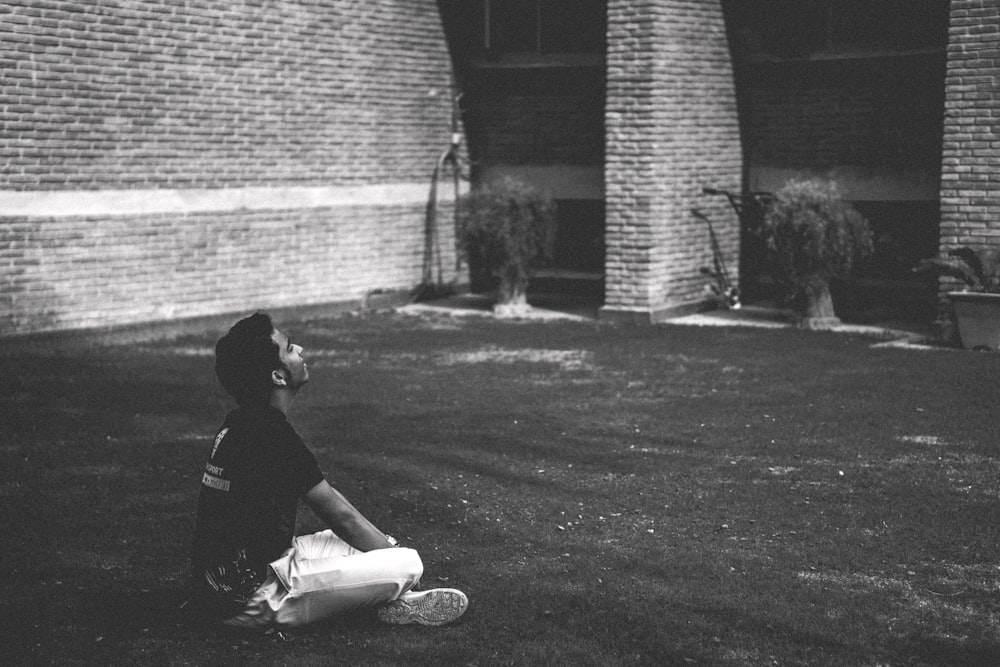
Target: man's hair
{"points": [[245, 357]]}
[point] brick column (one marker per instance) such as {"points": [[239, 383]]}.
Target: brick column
{"points": [[970, 179], [671, 128]]}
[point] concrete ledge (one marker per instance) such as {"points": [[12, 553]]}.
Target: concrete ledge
{"points": [[654, 316], [542, 307], [381, 299]]}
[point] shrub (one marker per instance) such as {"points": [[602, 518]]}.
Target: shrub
{"points": [[503, 228], [815, 236], [977, 267]]}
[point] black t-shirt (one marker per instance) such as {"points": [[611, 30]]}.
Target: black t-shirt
{"points": [[250, 488]]}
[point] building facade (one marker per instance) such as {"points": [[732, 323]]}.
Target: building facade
{"points": [[165, 159]]}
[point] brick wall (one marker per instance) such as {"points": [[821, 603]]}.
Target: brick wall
{"points": [[871, 112], [970, 180], [84, 272], [328, 115], [671, 128]]}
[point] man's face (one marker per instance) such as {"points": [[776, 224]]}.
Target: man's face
{"points": [[290, 356]]}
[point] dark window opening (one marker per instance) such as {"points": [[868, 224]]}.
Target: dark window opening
{"points": [[580, 235], [803, 28], [543, 26]]}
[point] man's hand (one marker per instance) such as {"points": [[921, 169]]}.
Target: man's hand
{"points": [[345, 520]]}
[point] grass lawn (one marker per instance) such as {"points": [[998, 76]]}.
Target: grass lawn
{"points": [[605, 495]]}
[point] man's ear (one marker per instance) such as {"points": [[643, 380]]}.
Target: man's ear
{"points": [[278, 378]]}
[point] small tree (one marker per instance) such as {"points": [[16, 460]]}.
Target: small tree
{"points": [[978, 267], [503, 228], [815, 237]]}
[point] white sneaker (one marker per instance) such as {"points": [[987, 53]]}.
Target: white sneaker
{"points": [[434, 607]]}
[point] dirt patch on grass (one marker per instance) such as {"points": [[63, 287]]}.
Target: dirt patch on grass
{"points": [[566, 360], [932, 440], [183, 350]]}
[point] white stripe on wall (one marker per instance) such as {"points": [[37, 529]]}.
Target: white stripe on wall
{"points": [[56, 203]]}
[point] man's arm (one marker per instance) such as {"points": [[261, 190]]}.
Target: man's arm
{"points": [[344, 519]]}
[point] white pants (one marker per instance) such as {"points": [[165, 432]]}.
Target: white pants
{"points": [[320, 576]]}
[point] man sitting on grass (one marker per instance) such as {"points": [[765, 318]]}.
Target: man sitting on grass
{"points": [[249, 572]]}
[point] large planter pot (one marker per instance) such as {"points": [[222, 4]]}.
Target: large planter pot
{"points": [[978, 316], [816, 308]]}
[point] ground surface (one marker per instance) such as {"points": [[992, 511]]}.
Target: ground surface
{"points": [[605, 494]]}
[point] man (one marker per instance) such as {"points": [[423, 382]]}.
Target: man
{"points": [[249, 572]]}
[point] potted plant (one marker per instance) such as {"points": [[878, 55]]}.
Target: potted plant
{"points": [[977, 306], [503, 228], [814, 237]]}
